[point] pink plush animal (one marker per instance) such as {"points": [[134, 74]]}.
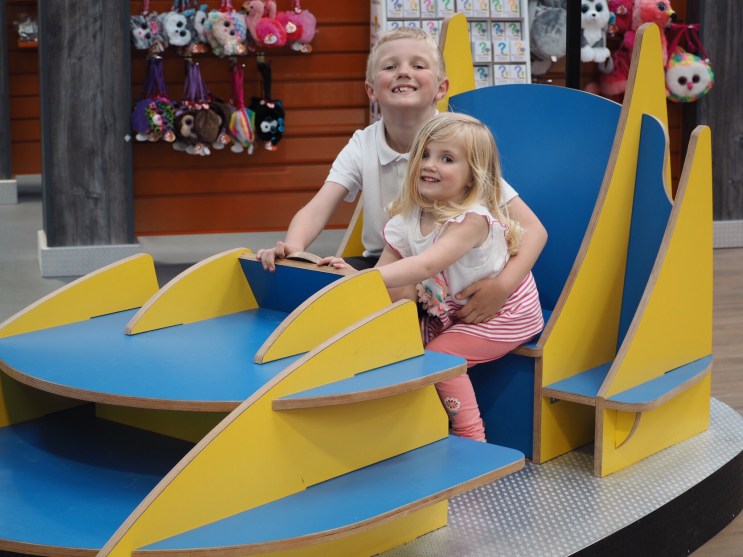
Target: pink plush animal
{"points": [[308, 23], [266, 31], [613, 82]]}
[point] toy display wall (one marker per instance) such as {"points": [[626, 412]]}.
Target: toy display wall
{"points": [[176, 193]]}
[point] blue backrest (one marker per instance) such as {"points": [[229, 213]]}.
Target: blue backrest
{"points": [[651, 210], [555, 145]]}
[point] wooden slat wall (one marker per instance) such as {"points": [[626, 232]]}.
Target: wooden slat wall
{"points": [[24, 106], [323, 94]]}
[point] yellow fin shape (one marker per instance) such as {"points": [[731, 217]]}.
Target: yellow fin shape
{"points": [[457, 50], [213, 287], [123, 285]]}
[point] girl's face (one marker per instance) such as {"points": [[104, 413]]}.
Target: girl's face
{"points": [[445, 172]]}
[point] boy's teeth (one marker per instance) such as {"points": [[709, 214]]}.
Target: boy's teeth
{"points": [[402, 89]]}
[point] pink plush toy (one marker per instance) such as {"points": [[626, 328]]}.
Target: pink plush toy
{"points": [[265, 30], [308, 23], [614, 80]]}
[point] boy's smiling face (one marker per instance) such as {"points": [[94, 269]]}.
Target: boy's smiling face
{"points": [[405, 76]]}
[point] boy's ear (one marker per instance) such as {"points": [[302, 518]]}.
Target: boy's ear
{"points": [[443, 89], [369, 88]]}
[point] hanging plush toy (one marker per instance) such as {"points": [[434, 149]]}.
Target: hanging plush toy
{"points": [[614, 81], [688, 76], [153, 117], [269, 113], [548, 30], [146, 30], [242, 119], [307, 23], [175, 26], [226, 30], [265, 29], [595, 17]]}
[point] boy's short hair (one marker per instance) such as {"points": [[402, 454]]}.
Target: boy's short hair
{"points": [[406, 33]]}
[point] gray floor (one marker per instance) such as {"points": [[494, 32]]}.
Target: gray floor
{"points": [[20, 279]]}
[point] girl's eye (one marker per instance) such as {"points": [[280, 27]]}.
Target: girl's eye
{"points": [[447, 158], [425, 155]]}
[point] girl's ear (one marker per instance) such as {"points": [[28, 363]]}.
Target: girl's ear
{"points": [[443, 89]]}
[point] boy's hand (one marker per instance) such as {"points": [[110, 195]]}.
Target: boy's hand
{"points": [[335, 262], [487, 297], [269, 256]]}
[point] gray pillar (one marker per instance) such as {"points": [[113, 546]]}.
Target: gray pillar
{"points": [[722, 110], [84, 60], [8, 188]]}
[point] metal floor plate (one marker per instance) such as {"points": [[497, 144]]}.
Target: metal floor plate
{"points": [[559, 507]]}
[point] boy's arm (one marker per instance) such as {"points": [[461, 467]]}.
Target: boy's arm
{"points": [[306, 225], [487, 296]]}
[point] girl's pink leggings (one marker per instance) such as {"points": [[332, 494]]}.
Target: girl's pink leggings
{"points": [[457, 394]]}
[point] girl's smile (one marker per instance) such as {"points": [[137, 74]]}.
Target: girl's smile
{"points": [[445, 172]]}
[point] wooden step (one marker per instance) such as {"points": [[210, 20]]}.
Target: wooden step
{"points": [[69, 480], [359, 499], [389, 380]]}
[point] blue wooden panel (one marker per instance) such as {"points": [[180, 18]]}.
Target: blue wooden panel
{"points": [[651, 209], [70, 480], [554, 144], [585, 384], [412, 369], [655, 388], [205, 361], [505, 394], [354, 497], [285, 288]]}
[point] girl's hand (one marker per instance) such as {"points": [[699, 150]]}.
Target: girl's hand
{"points": [[335, 262]]}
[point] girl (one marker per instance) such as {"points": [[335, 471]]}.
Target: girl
{"points": [[447, 230]]}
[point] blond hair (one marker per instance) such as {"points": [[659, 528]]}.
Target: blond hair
{"points": [[485, 181], [406, 33]]}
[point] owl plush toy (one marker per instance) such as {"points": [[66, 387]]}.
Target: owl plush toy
{"points": [[688, 77]]}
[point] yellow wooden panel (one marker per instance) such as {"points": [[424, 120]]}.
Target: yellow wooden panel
{"points": [[332, 309], [213, 287], [257, 455], [624, 425], [674, 324], [664, 426], [585, 331], [123, 285], [565, 426], [19, 402], [351, 244], [189, 426], [457, 50]]}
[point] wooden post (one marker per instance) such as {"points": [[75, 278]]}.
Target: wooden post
{"points": [[84, 58], [721, 109]]}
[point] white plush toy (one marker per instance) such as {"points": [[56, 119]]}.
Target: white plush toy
{"points": [[595, 16]]}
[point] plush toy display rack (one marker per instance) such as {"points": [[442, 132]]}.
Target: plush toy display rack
{"points": [[236, 411]]}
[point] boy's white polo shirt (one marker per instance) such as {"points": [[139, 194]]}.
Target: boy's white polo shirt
{"points": [[368, 164]]}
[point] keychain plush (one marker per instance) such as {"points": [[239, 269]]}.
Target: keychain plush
{"points": [[269, 113], [242, 119], [146, 31], [264, 28], [226, 30], [595, 16], [688, 77], [307, 21], [153, 117]]}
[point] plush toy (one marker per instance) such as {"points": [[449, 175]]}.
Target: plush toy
{"points": [[242, 120], [147, 33], [621, 22], [307, 22], [175, 27], [548, 28], [613, 82], [226, 31], [269, 113], [595, 17], [688, 77], [265, 30], [153, 117]]}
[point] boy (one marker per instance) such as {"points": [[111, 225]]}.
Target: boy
{"points": [[405, 76]]}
